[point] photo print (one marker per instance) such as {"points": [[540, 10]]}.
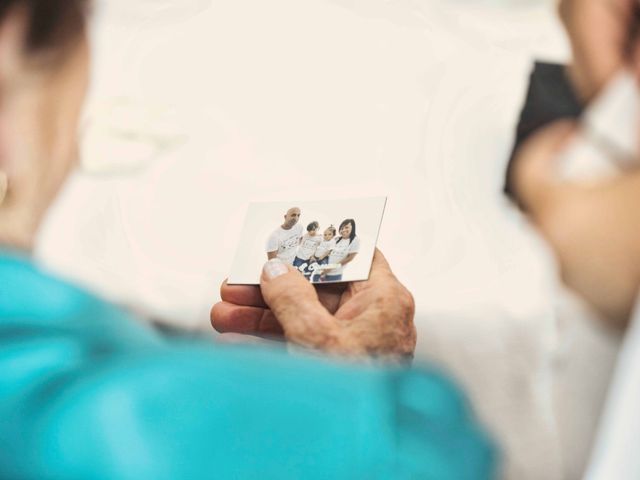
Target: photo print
{"points": [[327, 241]]}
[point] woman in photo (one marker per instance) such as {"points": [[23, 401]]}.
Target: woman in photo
{"points": [[344, 251]]}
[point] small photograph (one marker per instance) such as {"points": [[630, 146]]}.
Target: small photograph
{"points": [[326, 241]]}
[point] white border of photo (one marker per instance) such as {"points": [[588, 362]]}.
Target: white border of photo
{"points": [[262, 218]]}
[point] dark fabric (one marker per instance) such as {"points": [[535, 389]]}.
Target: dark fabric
{"points": [[550, 97]]}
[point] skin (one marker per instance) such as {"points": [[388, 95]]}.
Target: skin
{"points": [[42, 103], [594, 229], [370, 318], [359, 319], [290, 219], [602, 38]]}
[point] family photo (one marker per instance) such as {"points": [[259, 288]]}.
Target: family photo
{"points": [[320, 255], [194, 279], [326, 241]]}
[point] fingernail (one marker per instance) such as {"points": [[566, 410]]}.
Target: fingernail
{"points": [[274, 268]]}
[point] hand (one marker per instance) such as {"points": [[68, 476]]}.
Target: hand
{"points": [[603, 38], [373, 317], [594, 229]]}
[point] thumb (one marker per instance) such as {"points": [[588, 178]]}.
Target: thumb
{"points": [[294, 302]]}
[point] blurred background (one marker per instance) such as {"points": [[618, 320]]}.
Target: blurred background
{"points": [[199, 106]]}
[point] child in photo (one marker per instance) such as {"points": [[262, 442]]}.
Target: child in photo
{"points": [[324, 249], [346, 248], [307, 248]]}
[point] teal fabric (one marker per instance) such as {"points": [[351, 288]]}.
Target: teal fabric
{"points": [[88, 392]]}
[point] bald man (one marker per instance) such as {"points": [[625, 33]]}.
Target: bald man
{"points": [[284, 241]]}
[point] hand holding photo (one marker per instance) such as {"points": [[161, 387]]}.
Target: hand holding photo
{"points": [[327, 241]]}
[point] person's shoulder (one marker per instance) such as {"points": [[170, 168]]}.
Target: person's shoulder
{"points": [[355, 243], [275, 232], [36, 295], [29, 285]]}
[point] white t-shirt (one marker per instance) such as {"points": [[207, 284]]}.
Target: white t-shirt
{"points": [[340, 252], [285, 242], [308, 246], [325, 247]]}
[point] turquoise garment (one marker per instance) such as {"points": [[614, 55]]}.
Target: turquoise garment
{"points": [[88, 392]]}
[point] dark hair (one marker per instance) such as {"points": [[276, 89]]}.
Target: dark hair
{"points": [[353, 229], [53, 26], [313, 226]]}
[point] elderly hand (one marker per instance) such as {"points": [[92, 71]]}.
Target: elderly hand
{"points": [[603, 38], [373, 317], [594, 229]]}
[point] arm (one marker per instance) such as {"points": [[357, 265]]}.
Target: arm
{"points": [[348, 258], [272, 246], [316, 318], [604, 37], [323, 256], [600, 264], [88, 391], [550, 97]]}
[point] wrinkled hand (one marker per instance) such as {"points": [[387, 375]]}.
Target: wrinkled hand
{"points": [[373, 317], [603, 39], [594, 229]]}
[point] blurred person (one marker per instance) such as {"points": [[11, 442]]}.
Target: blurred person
{"points": [[603, 35], [89, 391], [593, 228]]}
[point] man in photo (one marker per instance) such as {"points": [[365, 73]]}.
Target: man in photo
{"points": [[283, 242]]}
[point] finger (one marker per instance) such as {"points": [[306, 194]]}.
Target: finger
{"points": [[330, 295], [534, 175], [248, 295], [295, 304], [240, 339], [228, 317], [380, 272], [379, 265]]}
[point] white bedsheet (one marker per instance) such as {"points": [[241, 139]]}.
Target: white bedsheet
{"points": [[199, 106]]}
